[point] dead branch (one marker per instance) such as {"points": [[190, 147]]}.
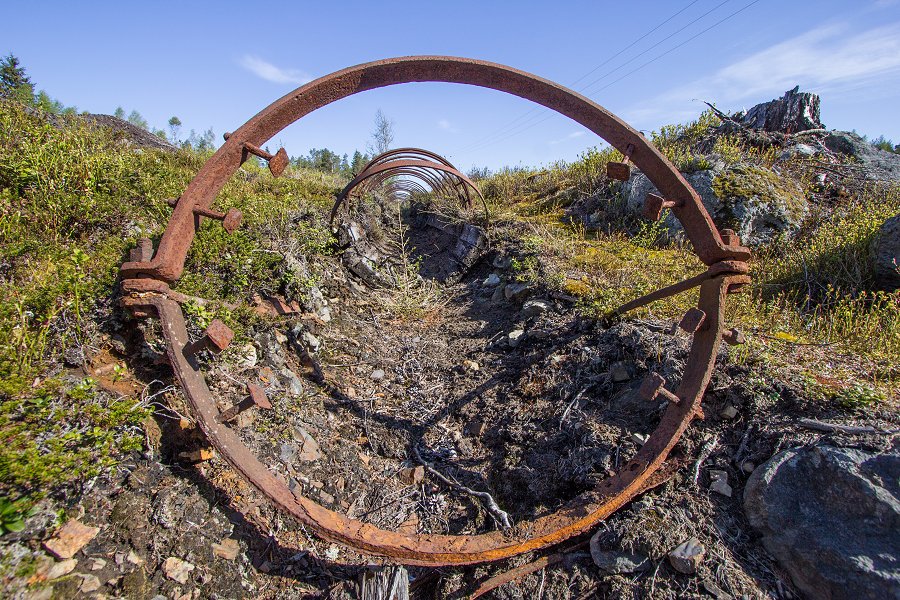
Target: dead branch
{"points": [[836, 428], [498, 514], [573, 403], [722, 115], [707, 449], [743, 445], [536, 565]]}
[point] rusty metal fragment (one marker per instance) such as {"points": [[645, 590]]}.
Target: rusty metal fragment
{"points": [[621, 170], [216, 338], [692, 320], [278, 162], [730, 238], [654, 205], [733, 337], [257, 397], [653, 386], [231, 220]]}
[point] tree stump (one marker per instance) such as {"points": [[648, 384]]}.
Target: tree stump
{"points": [[793, 112], [388, 582]]}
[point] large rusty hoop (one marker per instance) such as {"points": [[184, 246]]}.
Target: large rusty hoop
{"points": [[146, 280], [435, 170], [440, 177]]}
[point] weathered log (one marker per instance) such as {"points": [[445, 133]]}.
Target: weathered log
{"points": [[387, 582]]}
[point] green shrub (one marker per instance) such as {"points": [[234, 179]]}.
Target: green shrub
{"points": [[73, 201], [859, 396]]}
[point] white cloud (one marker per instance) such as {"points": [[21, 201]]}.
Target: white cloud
{"points": [[822, 60], [269, 72], [447, 126], [571, 136]]}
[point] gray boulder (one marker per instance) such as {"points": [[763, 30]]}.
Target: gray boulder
{"points": [[754, 201], [830, 516], [887, 255], [758, 203], [877, 164]]}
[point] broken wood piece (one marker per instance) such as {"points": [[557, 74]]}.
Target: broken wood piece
{"points": [[388, 582], [536, 565], [837, 428]]}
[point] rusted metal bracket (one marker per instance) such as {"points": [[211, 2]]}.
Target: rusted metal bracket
{"points": [[231, 220], [654, 205], [257, 397], [278, 162], [621, 170], [727, 267], [146, 275]]}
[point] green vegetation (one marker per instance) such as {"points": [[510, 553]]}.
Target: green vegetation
{"points": [[73, 201], [679, 142], [13, 514], [882, 143], [816, 291], [15, 85]]}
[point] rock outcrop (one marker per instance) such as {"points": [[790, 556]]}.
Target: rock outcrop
{"points": [[441, 249], [887, 255], [446, 249], [876, 163], [754, 201], [830, 516], [128, 133]]}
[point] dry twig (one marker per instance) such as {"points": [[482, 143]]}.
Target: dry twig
{"points": [[836, 428], [498, 514], [707, 449]]}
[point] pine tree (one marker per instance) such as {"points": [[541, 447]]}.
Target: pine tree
{"points": [[358, 161], [135, 118], [14, 83]]}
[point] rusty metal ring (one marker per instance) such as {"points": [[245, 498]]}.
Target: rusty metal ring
{"points": [[435, 170], [581, 513]]}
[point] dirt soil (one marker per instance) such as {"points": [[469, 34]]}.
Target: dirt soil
{"points": [[391, 382]]}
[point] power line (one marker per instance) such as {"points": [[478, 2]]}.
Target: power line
{"points": [[538, 109], [638, 40], [525, 127], [652, 60], [660, 42], [543, 116]]}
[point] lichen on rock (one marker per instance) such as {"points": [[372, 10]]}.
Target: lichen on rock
{"points": [[757, 203], [753, 201]]}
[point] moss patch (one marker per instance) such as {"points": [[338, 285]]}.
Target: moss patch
{"points": [[758, 188]]}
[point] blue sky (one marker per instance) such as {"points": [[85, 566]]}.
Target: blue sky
{"points": [[217, 64]]}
